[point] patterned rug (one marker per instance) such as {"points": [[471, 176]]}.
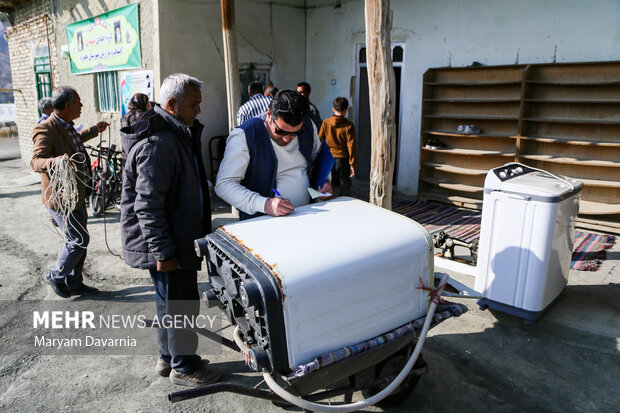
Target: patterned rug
{"points": [[463, 224], [589, 252]]}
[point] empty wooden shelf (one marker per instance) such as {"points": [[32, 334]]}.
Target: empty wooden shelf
{"points": [[563, 118]]}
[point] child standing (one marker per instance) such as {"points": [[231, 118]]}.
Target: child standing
{"points": [[339, 134]]}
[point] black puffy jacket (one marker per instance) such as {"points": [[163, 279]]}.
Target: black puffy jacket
{"points": [[165, 201]]}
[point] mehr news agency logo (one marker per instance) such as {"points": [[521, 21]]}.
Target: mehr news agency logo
{"points": [[83, 320]]}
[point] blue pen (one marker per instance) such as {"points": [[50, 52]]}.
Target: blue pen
{"points": [[278, 195]]}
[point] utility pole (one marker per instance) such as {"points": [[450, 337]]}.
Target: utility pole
{"points": [[381, 92], [231, 61]]}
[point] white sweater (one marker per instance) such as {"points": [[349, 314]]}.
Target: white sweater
{"points": [[291, 178]]}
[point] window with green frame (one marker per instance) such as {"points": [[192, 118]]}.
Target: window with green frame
{"points": [[42, 77], [107, 88]]}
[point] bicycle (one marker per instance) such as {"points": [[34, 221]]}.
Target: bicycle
{"points": [[107, 178]]}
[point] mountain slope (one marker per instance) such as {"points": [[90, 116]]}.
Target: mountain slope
{"points": [[5, 68]]}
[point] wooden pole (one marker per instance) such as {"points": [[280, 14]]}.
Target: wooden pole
{"points": [[381, 92], [231, 61]]}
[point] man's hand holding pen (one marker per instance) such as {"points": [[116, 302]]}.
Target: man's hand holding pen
{"points": [[278, 206]]}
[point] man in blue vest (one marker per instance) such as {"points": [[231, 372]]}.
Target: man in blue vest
{"points": [[268, 160]]}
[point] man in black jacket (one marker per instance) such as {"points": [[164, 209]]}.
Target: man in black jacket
{"points": [[164, 208], [305, 90]]}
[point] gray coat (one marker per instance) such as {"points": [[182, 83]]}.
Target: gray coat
{"points": [[165, 201]]}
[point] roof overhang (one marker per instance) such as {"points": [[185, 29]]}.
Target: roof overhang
{"points": [[8, 6]]}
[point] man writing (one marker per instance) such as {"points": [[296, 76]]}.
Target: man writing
{"points": [[165, 207], [275, 151], [54, 139]]}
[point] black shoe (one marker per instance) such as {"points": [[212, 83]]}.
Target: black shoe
{"points": [[60, 289], [83, 290], [434, 143]]}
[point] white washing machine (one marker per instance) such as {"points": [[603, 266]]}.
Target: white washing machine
{"points": [[526, 239], [327, 276]]}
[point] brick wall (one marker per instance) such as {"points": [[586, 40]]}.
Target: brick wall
{"points": [[31, 25], [29, 32]]}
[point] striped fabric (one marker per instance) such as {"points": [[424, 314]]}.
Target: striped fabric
{"points": [[442, 313], [590, 250], [253, 108], [463, 224], [588, 253]]}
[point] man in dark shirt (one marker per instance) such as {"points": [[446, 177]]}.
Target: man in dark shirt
{"points": [[305, 89]]}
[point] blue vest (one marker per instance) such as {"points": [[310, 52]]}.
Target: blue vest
{"points": [[260, 176]]}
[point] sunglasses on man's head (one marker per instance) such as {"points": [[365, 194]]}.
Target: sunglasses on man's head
{"points": [[281, 132]]}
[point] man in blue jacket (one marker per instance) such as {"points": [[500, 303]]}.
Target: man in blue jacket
{"points": [[164, 208]]}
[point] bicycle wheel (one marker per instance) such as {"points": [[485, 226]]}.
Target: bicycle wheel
{"points": [[388, 370], [97, 195], [114, 189], [116, 182], [115, 195]]}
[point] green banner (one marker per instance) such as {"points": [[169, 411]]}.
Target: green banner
{"points": [[110, 41]]}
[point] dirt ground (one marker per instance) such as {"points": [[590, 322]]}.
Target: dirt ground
{"points": [[482, 361]]}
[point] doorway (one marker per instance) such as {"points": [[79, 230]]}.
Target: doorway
{"points": [[362, 117]]}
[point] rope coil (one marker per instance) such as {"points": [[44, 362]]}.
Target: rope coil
{"points": [[63, 188]]}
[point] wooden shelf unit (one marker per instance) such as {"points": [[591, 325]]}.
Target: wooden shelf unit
{"points": [[579, 101], [470, 116], [477, 84], [593, 83], [462, 135], [457, 100], [563, 118], [585, 140], [574, 120]]}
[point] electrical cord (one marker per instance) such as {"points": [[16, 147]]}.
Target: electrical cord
{"points": [[64, 176], [103, 201], [105, 234]]}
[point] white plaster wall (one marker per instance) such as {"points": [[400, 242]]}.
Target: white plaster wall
{"points": [[454, 33], [191, 42]]}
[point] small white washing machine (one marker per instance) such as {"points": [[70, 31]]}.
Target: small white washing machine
{"points": [[526, 239]]}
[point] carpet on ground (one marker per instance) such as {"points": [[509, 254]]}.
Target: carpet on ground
{"points": [[590, 249]]}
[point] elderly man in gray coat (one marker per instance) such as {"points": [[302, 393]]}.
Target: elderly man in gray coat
{"points": [[164, 208]]}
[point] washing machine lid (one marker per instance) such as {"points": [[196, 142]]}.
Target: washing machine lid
{"points": [[305, 242], [532, 184]]}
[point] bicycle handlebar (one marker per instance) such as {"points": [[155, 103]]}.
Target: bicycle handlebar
{"points": [[103, 150]]}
